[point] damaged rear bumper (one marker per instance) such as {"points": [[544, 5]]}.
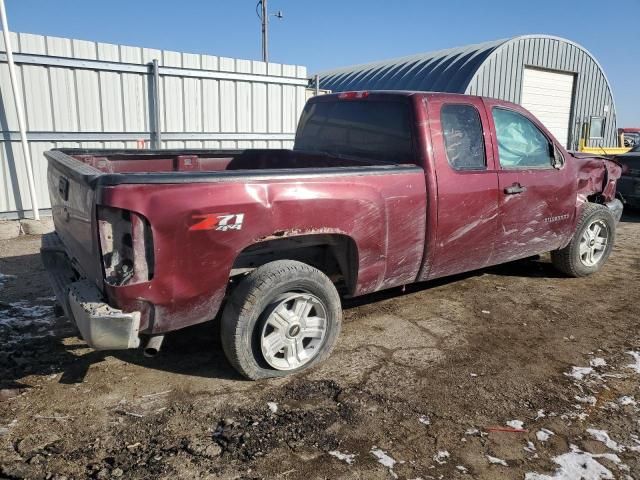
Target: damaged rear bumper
{"points": [[101, 326]]}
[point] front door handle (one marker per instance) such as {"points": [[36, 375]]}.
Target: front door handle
{"points": [[514, 189]]}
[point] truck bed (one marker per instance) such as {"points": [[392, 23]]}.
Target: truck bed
{"points": [[141, 166]]}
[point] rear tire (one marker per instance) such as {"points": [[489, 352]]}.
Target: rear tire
{"points": [[591, 244], [284, 317]]}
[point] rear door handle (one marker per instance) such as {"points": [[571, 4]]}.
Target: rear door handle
{"points": [[514, 189]]}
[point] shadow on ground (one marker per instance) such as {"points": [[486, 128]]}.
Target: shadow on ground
{"points": [[194, 351]]}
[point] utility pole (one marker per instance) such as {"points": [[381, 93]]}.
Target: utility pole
{"points": [[17, 96], [265, 32], [263, 14]]}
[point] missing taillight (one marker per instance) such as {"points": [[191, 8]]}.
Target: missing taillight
{"points": [[126, 244]]}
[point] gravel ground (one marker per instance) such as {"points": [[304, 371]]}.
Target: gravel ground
{"points": [[504, 373]]}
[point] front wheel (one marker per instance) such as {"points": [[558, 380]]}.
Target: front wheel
{"points": [[284, 317], [591, 244]]}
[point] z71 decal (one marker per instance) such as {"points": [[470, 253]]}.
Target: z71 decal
{"points": [[217, 221]]}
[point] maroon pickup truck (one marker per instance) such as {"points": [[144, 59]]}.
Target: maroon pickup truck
{"points": [[381, 189]]}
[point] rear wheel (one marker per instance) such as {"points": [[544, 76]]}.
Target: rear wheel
{"points": [[284, 317], [591, 244]]}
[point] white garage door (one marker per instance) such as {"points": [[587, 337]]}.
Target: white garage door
{"points": [[548, 96]]}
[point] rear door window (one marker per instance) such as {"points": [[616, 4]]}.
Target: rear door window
{"points": [[374, 129], [463, 138]]}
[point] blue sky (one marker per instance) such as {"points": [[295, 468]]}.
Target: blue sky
{"points": [[331, 33]]}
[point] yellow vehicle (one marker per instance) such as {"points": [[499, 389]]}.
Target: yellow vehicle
{"points": [[584, 147]]}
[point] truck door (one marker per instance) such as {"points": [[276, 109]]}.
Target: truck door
{"points": [[537, 195], [467, 183]]}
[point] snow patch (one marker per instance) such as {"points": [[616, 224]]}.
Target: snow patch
{"points": [[603, 436], [496, 461], [46, 299], [4, 430], [579, 372], [575, 416], [590, 399], [441, 457], [423, 419], [518, 424], [636, 365], [349, 458], [383, 458], [627, 400], [4, 278], [273, 406], [598, 362], [23, 320], [540, 414], [577, 464], [543, 434]]}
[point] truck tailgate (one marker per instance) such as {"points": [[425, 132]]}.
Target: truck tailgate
{"points": [[72, 193]]}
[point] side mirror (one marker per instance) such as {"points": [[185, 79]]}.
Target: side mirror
{"points": [[558, 158]]}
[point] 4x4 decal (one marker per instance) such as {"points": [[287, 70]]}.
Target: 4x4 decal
{"points": [[218, 221]]}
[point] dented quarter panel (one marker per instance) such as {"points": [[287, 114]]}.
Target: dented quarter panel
{"points": [[383, 214]]}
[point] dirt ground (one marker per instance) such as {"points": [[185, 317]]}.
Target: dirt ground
{"points": [[504, 373]]}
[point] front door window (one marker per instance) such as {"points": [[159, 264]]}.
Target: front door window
{"points": [[520, 143]]}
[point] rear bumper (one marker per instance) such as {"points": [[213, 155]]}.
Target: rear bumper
{"points": [[101, 326]]}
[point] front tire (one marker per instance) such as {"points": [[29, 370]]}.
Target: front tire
{"points": [[284, 317], [591, 244]]}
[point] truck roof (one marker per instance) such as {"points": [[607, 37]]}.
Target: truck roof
{"points": [[362, 94], [395, 93]]}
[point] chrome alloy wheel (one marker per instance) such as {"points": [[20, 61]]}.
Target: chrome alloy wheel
{"points": [[293, 331], [593, 243]]}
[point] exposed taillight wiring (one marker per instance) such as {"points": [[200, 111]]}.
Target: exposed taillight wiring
{"points": [[126, 245]]}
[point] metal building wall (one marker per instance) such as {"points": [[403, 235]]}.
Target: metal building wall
{"points": [[446, 70], [500, 76], [96, 95], [491, 69]]}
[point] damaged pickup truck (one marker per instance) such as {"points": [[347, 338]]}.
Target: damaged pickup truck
{"points": [[381, 189]]}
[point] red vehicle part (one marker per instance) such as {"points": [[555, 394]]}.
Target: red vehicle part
{"points": [[162, 232]]}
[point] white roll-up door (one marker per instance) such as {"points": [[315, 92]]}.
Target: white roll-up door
{"points": [[548, 95]]}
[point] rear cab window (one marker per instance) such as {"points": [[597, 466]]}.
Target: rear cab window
{"points": [[376, 129]]}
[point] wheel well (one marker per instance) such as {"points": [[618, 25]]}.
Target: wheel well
{"points": [[333, 254]]}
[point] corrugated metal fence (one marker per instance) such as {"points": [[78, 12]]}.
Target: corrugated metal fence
{"points": [[96, 95]]}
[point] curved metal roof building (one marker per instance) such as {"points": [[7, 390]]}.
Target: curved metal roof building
{"points": [[555, 78]]}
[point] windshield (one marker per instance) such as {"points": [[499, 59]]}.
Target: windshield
{"points": [[373, 129], [636, 148]]}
